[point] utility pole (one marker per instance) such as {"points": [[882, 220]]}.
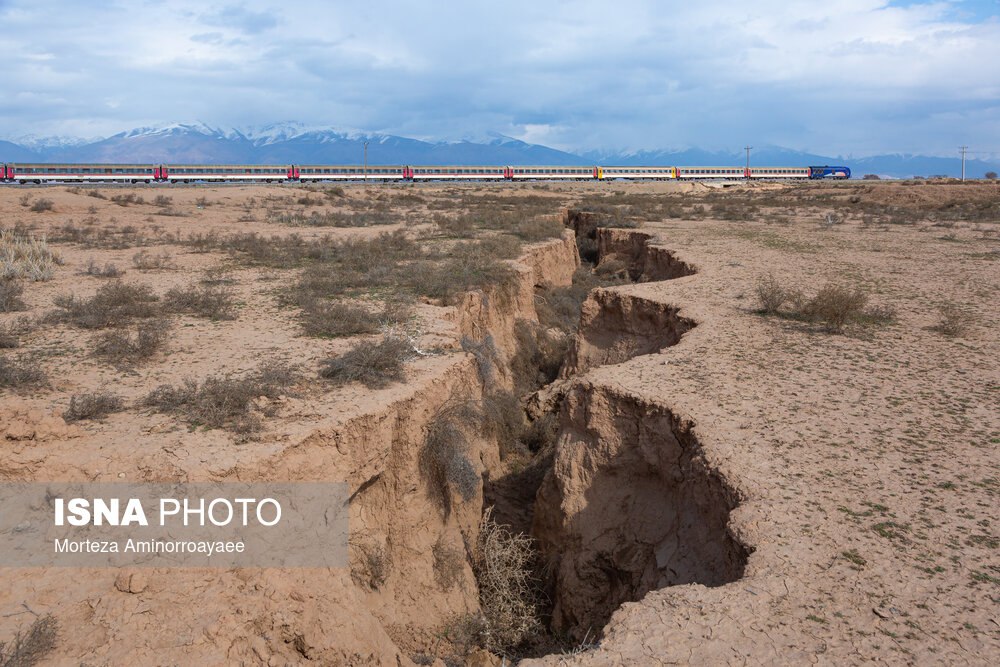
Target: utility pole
{"points": [[366, 162], [964, 150], [748, 149]]}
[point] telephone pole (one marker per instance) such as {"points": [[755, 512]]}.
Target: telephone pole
{"points": [[964, 150], [366, 162], [748, 149]]}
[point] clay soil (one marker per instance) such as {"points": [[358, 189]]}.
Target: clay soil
{"points": [[854, 474]]}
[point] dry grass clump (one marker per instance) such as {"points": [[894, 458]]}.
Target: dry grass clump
{"points": [[11, 332], [93, 405], [503, 565], [374, 364], [109, 270], [230, 402], [122, 348], [10, 296], [147, 261], [30, 648], [833, 305], [467, 267], [215, 302], [954, 321], [538, 229], [113, 304], [127, 199], [335, 218], [20, 373], [26, 257]]}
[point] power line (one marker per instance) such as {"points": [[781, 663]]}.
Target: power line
{"points": [[964, 149]]}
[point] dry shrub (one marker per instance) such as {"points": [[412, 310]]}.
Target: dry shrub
{"points": [[30, 648], [26, 257], [113, 304], [954, 321], [41, 205], [12, 330], [109, 270], [467, 267], [503, 565], [449, 564], [20, 373], [540, 354], [537, 229], [835, 306], [214, 302], [93, 405], [10, 296], [444, 460], [502, 420], [771, 295], [372, 563], [163, 201], [374, 364], [122, 348], [147, 261], [226, 401], [332, 319]]}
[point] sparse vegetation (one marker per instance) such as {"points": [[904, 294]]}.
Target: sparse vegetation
{"points": [[20, 373], [445, 460], [112, 305], [449, 564], [30, 648], [228, 401], [10, 295], [833, 305], [26, 257], [374, 364], [121, 347], [42, 205], [93, 405], [371, 563], [503, 564], [954, 321], [109, 270], [147, 261], [215, 302]]}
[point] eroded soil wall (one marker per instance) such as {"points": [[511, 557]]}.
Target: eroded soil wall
{"points": [[630, 505]]}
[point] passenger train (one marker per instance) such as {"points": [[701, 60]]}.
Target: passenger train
{"points": [[191, 173]]}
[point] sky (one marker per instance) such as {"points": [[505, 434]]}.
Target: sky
{"points": [[851, 77]]}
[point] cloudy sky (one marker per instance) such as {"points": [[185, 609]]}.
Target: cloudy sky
{"points": [[851, 77]]}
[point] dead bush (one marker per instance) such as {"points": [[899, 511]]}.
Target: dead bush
{"points": [[771, 295], [835, 305], [113, 304], [374, 364], [127, 199], [33, 646], [121, 347], [26, 257], [503, 563], [469, 266], [11, 332], [537, 229], [10, 296], [449, 564], [41, 205], [93, 405], [147, 261], [163, 201], [444, 459], [215, 302], [953, 321], [109, 270], [333, 319], [503, 421], [21, 373], [227, 401]]}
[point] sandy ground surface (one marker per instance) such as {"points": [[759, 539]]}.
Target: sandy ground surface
{"points": [[865, 460]]}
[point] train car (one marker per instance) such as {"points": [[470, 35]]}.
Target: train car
{"points": [[458, 173], [637, 173], [187, 173], [776, 173], [81, 173], [313, 172], [705, 173], [827, 171], [552, 173]]}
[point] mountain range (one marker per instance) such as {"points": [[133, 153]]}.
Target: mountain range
{"points": [[294, 143]]}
